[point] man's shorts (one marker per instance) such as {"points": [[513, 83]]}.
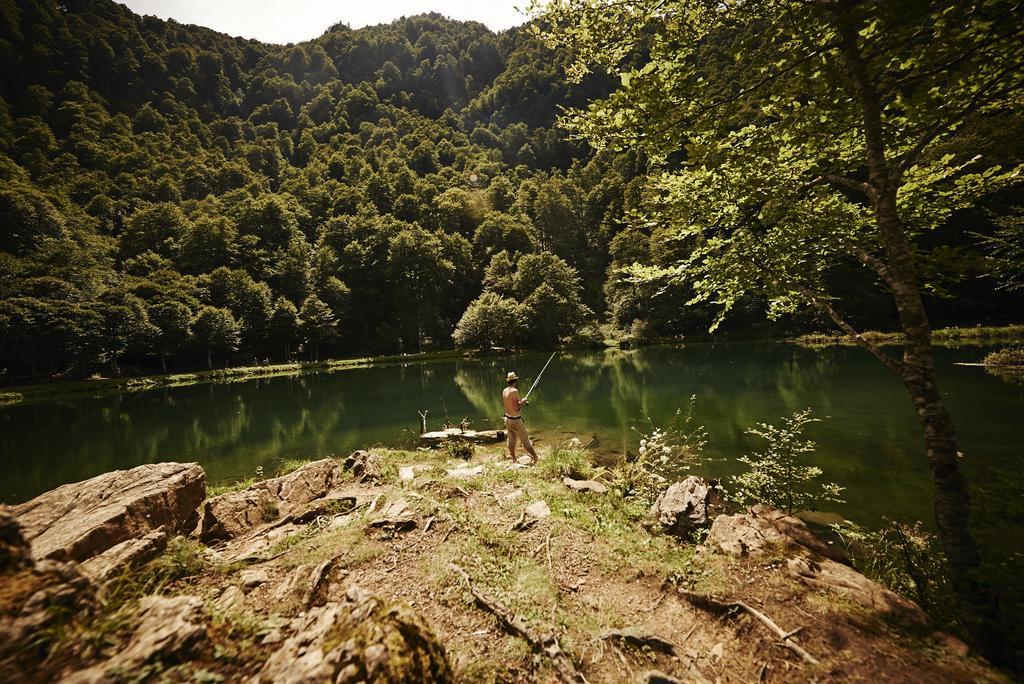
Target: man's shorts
{"points": [[515, 428]]}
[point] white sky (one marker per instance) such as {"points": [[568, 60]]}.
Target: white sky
{"points": [[293, 21]]}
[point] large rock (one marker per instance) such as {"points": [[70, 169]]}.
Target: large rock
{"points": [[358, 640], [34, 596], [81, 520], [127, 554], [230, 515], [842, 579], [685, 506], [763, 528], [814, 563]]}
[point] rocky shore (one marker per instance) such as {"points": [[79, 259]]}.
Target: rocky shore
{"points": [[393, 566]]}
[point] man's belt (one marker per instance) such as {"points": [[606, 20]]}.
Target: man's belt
{"points": [[508, 417]]}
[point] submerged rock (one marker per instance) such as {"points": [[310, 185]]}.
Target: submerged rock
{"points": [[236, 513], [685, 506], [358, 640], [81, 520]]}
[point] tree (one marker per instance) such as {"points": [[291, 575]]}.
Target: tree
{"points": [[284, 326], [778, 476], [318, 323], [216, 329], [812, 134], [171, 321], [490, 321]]}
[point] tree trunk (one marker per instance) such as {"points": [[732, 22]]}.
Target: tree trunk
{"points": [[209, 357], [952, 499], [163, 360]]}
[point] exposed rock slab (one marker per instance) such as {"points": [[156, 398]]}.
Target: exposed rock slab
{"points": [[81, 520], [762, 528], [828, 574], [129, 553], [584, 485], [167, 627], [685, 506], [463, 472], [358, 640], [231, 515]]}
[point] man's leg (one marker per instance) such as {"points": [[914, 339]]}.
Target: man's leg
{"points": [[511, 433], [527, 443]]}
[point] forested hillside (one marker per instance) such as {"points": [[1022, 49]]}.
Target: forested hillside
{"points": [[171, 196]]}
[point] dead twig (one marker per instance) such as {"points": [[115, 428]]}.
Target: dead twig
{"points": [[547, 545], [426, 527], [545, 644], [713, 605], [448, 533]]}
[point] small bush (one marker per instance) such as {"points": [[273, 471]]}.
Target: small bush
{"points": [[1008, 356], [567, 460], [672, 447], [777, 477], [458, 448], [905, 558]]}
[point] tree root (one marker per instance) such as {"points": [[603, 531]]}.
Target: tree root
{"points": [[713, 605], [547, 645]]}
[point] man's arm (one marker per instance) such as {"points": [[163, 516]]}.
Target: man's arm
{"points": [[519, 403]]}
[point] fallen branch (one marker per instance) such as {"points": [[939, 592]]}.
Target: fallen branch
{"points": [[713, 605], [547, 645]]}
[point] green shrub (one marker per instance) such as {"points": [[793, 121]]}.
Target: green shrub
{"points": [[567, 460], [662, 449], [777, 476], [1008, 356], [458, 448], [905, 558]]}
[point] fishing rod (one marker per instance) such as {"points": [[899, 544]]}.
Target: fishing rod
{"points": [[540, 374]]}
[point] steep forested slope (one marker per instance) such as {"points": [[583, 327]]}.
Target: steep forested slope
{"points": [[171, 194]]}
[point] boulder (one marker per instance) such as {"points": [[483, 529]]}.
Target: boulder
{"points": [[538, 509], [81, 520], [129, 553], [253, 578], [762, 528], [844, 580], [236, 513], [685, 506], [358, 640], [584, 485], [363, 465]]}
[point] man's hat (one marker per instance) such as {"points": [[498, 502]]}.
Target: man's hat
{"points": [[511, 376]]}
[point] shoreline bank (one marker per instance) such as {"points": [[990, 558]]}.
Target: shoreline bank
{"points": [[491, 570]]}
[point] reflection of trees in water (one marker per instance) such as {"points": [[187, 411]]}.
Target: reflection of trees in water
{"points": [[869, 443]]}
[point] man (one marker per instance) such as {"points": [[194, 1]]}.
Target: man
{"points": [[514, 425]]}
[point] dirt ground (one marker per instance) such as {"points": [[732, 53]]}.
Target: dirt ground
{"points": [[591, 574]]}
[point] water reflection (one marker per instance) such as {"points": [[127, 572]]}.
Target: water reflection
{"points": [[869, 442]]}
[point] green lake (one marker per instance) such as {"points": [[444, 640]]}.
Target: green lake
{"points": [[869, 440]]}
